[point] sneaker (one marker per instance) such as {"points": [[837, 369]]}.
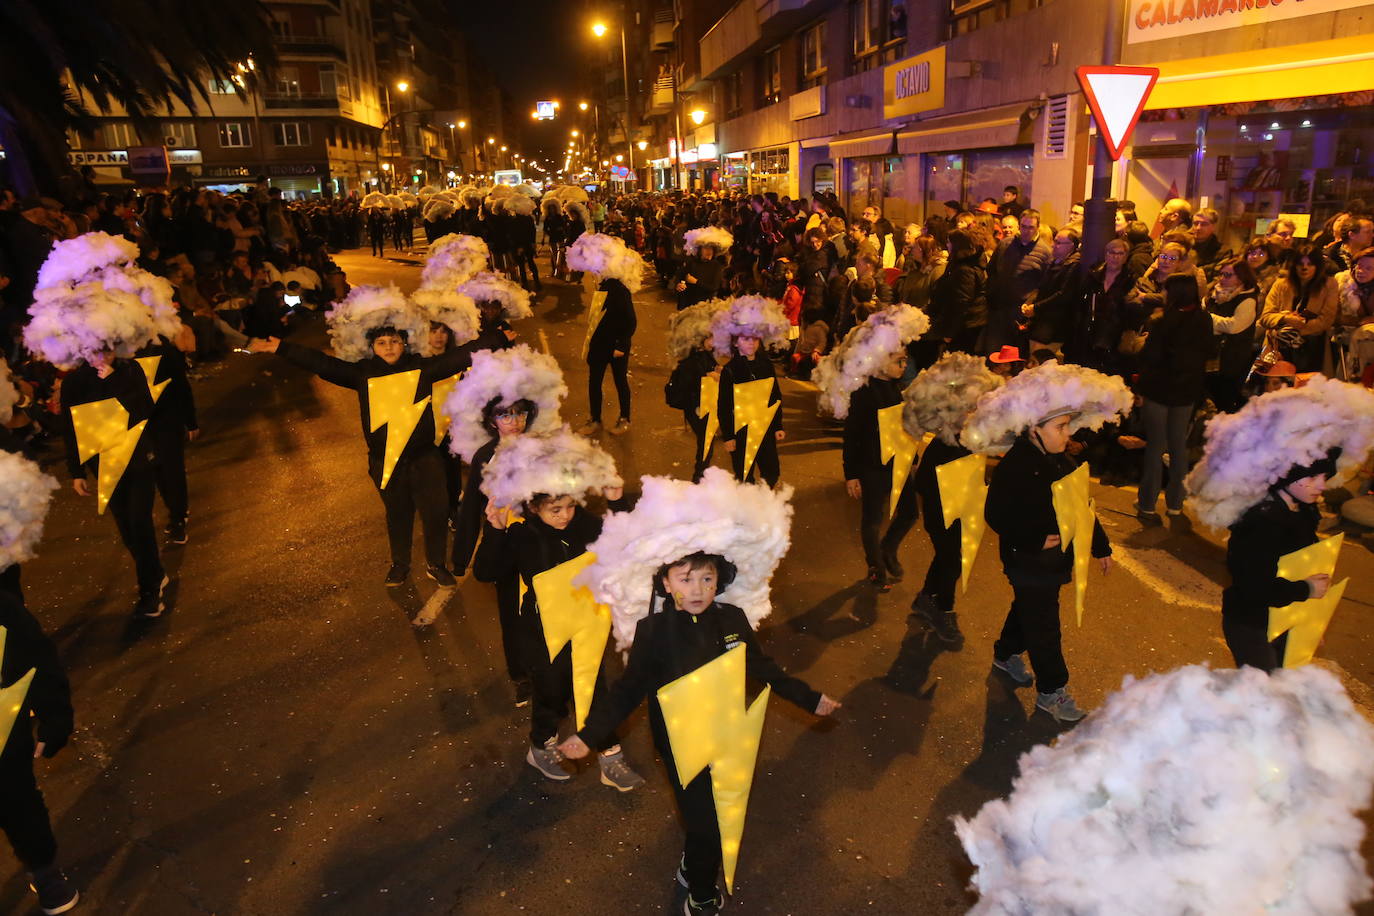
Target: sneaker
{"points": [[1060, 705], [1148, 516], [946, 627], [590, 428], [925, 608], [1014, 668], [895, 572], [176, 533], [151, 605], [441, 575], [622, 426], [547, 760], [55, 892], [397, 575], [707, 908], [523, 691], [616, 773]]}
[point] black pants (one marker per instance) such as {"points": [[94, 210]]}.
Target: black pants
{"points": [[1032, 626], [596, 372], [966, 340], [508, 613], [942, 577], [765, 462], [701, 858], [24, 816], [1251, 646], [131, 504], [170, 472], [524, 258], [552, 684], [874, 499], [701, 458], [453, 478], [416, 485]]}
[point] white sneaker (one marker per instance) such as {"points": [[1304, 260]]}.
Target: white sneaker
{"points": [[1060, 705], [548, 760]]}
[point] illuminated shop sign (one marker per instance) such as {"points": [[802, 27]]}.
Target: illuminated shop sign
{"points": [[1152, 20]]}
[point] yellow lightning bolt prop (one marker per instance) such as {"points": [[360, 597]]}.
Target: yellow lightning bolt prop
{"points": [[149, 366], [439, 393], [570, 614], [1073, 510], [753, 410], [11, 698], [963, 492], [391, 401], [710, 393], [594, 315], [897, 447], [708, 725], [102, 428], [1305, 622]]}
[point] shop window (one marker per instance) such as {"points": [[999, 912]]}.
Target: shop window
{"points": [[970, 15], [813, 56], [823, 178], [976, 175], [770, 77], [877, 32], [120, 135], [234, 134]]}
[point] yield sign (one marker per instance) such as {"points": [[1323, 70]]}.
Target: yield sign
{"points": [[1117, 96]]}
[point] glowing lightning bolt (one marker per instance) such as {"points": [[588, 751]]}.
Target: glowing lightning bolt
{"points": [[1073, 510], [11, 698], [963, 493], [898, 447], [710, 392], [391, 401], [439, 393], [149, 366], [1305, 622], [570, 614], [753, 410], [708, 725], [102, 428]]}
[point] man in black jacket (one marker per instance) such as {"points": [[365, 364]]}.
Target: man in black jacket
{"points": [[1014, 272], [46, 709]]}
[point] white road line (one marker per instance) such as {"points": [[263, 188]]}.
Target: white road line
{"points": [[1169, 577], [544, 342]]}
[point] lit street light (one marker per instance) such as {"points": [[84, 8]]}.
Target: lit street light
{"points": [[402, 85], [599, 29], [698, 116]]}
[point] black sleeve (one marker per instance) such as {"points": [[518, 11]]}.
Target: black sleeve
{"points": [[763, 669], [1254, 567], [471, 519], [49, 695], [857, 428], [447, 365], [496, 555], [614, 706], [183, 401], [1101, 546], [330, 368], [725, 403], [72, 391]]}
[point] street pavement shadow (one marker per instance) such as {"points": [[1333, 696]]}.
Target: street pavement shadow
{"points": [[828, 620], [567, 301]]}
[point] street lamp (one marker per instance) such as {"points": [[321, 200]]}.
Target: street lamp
{"points": [[698, 116], [582, 105], [599, 29], [643, 145]]}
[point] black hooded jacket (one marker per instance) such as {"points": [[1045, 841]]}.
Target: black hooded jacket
{"points": [[49, 696], [129, 385], [1265, 533]]}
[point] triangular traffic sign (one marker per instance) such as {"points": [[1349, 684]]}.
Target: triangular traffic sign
{"points": [[1117, 96]]}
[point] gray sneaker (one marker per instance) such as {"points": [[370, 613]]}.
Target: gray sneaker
{"points": [[1060, 705], [1014, 668], [616, 773], [548, 760]]}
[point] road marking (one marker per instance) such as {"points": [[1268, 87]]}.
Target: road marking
{"points": [[544, 342], [1169, 577]]}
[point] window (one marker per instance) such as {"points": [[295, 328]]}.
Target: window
{"points": [[813, 56], [733, 91], [179, 134], [291, 133], [770, 77], [877, 32], [288, 82], [970, 15], [120, 135], [334, 81], [221, 87], [234, 133]]}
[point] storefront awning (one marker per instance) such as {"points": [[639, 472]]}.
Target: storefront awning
{"points": [[872, 143], [974, 130], [1316, 68]]}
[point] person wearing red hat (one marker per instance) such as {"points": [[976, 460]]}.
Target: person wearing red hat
{"points": [[1004, 361]]}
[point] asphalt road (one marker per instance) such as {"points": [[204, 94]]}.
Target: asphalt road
{"points": [[283, 741]]}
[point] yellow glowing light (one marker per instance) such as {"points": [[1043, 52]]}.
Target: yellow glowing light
{"points": [[391, 401], [439, 393], [11, 698], [573, 133], [698, 115], [594, 316], [709, 725], [710, 394], [598, 29], [1073, 510], [963, 492], [1305, 622], [102, 428], [570, 614], [462, 124], [752, 410], [643, 145], [897, 447], [149, 366], [402, 85], [582, 105]]}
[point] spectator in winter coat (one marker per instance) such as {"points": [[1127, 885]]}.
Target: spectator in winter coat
{"points": [[1098, 320], [1142, 253], [1232, 303], [1050, 310], [1304, 299], [958, 303], [925, 264], [1356, 235], [1016, 270]]}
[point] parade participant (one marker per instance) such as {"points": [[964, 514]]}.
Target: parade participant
{"points": [[10, 398], [686, 577], [93, 310], [702, 274], [1261, 474], [939, 402], [1033, 416], [173, 425], [544, 479], [25, 494], [860, 383], [453, 260], [749, 407], [499, 301], [375, 205], [694, 384], [520, 210], [555, 227], [378, 339], [453, 323], [611, 320], [505, 394]]}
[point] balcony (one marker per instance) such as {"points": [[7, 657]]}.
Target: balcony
{"points": [[661, 99], [315, 101], [770, 10], [734, 35], [308, 46], [662, 33]]}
